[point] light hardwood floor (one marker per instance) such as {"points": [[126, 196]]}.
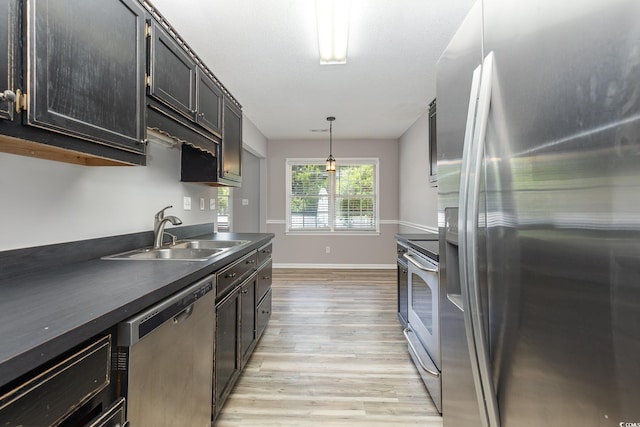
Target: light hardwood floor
{"points": [[332, 355]]}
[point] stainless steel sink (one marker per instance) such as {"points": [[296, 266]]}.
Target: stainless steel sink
{"points": [[171, 253], [184, 250], [209, 244]]}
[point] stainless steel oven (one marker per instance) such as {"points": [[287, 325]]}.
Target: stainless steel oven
{"points": [[423, 330]]}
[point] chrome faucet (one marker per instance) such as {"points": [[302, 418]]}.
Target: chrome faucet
{"points": [[158, 226]]}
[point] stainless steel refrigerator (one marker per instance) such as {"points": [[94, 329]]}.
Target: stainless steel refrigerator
{"points": [[539, 215]]}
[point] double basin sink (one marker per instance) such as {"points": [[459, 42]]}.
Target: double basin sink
{"points": [[184, 250]]}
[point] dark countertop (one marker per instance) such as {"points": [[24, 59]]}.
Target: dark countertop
{"points": [[425, 243], [51, 311]]}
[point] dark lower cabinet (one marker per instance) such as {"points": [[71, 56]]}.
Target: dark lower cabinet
{"points": [[226, 360], [242, 314], [86, 70], [263, 313], [71, 391], [248, 318], [114, 416], [264, 279]]}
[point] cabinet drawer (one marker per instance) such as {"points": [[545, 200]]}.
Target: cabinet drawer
{"points": [[264, 279], [264, 253], [112, 417], [48, 398], [264, 313], [233, 274]]}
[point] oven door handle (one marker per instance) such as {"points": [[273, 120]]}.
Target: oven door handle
{"points": [[422, 267], [422, 365]]}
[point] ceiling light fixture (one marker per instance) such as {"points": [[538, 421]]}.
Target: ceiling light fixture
{"points": [[332, 18], [331, 162]]}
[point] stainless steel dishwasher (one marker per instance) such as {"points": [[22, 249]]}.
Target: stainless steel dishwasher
{"points": [[166, 358]]}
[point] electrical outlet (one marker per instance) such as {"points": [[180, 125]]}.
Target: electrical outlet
{"points": [[212, 204], [328, 249], [201, 203], [245, 202], [187, 203]]}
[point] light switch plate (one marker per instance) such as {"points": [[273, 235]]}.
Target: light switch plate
{"points": [[201, 203], [187, 203], [245, 202], [212, 204]]}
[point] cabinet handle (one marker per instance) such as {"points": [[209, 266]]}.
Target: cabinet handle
{"points": [[230, 275], [201, 115], [266, 277], [251, 261], [265, 312], [266, 251], [10, 97], [245, 291]]}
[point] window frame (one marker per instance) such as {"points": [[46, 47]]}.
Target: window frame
{"points": [[229, 210], [289, 162]]}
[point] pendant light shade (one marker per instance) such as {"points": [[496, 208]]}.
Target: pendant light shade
{"points": [[331, 161]]}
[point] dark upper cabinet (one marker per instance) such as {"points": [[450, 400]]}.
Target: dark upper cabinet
{"points": [[231, 150], [86, 70], [8, 34], [209, 106], [172, 73]]}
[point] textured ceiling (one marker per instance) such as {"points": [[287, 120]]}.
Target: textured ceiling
{"points": [[265, 53]]}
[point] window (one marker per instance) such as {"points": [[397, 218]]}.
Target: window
{"points": [[343, 201], [224, 209]]}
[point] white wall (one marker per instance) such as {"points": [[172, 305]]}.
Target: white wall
{"points": [[417, 197], [44, 202], [295, 250]]}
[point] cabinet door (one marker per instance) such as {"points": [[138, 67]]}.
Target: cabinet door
{"points": [[231, 158], [248, 319], [173, 73], [263, 313], [227, 362], [86, 70], [8, 33], [209, 106]]}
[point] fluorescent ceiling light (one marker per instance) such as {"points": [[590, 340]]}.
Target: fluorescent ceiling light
{"points": [[332, 17]]}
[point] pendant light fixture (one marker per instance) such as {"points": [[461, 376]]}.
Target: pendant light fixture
{"points": [[331, 162]]}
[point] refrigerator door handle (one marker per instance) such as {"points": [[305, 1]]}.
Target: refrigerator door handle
{"points": [[460, 300], [468, 224]]}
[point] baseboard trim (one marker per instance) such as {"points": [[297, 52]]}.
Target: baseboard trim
{"points": [[338, 266]]}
